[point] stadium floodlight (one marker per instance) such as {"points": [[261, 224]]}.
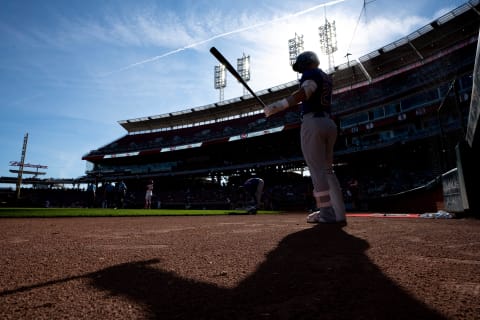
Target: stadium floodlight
{"points": [[348, 59], [220, 79], [243, 69], [295, 47], [328, 41]]}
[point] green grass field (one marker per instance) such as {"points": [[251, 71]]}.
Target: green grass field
{"points": [[97, 212]]}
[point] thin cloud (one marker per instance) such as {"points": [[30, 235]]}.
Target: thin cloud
{"points": [[222, 35]]}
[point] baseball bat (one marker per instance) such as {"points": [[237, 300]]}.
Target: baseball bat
{"points": [[234, 73]]}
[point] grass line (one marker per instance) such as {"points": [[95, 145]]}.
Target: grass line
{"points": [[97, 212]]}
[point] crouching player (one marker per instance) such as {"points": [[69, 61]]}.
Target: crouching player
{"points": [[254, 187]]}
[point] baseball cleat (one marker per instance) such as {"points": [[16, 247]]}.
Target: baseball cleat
{"points": [[323, 215]]}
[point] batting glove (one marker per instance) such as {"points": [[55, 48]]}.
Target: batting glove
{"points": [[276, 107]]}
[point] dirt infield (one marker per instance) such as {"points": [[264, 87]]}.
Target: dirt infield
{"points": [[239, 267]]}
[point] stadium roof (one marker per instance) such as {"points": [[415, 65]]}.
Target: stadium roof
{"points": [[212, 112], [459, 26]]}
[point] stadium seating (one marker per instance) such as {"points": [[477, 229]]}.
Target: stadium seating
{"points": [[386, 104]]}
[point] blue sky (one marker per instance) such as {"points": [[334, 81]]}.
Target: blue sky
{"points": [[70, 69]]}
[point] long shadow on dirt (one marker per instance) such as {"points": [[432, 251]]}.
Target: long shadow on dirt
{"points": [[317, 273]]}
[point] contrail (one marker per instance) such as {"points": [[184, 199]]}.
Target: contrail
{"points": [[221, 35]]}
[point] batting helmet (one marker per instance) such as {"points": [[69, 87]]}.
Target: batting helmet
{"points": [[304, 60]]}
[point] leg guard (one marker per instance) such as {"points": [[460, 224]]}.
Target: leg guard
{"points": [[336, 196]]}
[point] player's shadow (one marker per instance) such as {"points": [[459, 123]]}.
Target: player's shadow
{"points": [[317, 273]]}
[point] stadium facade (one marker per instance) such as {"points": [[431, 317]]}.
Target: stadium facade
{"points": [[401, 111]]}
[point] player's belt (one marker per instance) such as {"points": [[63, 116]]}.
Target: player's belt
{"points": [[317, 114], [321, 114]]}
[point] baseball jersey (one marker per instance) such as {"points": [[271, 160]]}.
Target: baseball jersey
{"points": [[321, 99]]}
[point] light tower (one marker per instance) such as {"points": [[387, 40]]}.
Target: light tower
{"points": [[220, 79], [21, 165], [35, 173], [243, 69], [328, 40], [295, 47]]}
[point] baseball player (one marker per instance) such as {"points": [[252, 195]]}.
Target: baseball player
{"points": [[148, 195], [318, 134], [254, 186]]}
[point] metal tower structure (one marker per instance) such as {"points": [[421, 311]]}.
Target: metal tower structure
{"points": [[220, 80], [328, 41], [21, 165], [243, 69], [295, 47]]}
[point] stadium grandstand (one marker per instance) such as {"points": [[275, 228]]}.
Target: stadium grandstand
{"points": [[401, 112]]}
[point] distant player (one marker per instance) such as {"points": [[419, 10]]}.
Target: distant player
{"points": [[121, 188], [148, 195], [318, 135], [254, 187], [353, 189], [91, 195], [109, 195]]}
